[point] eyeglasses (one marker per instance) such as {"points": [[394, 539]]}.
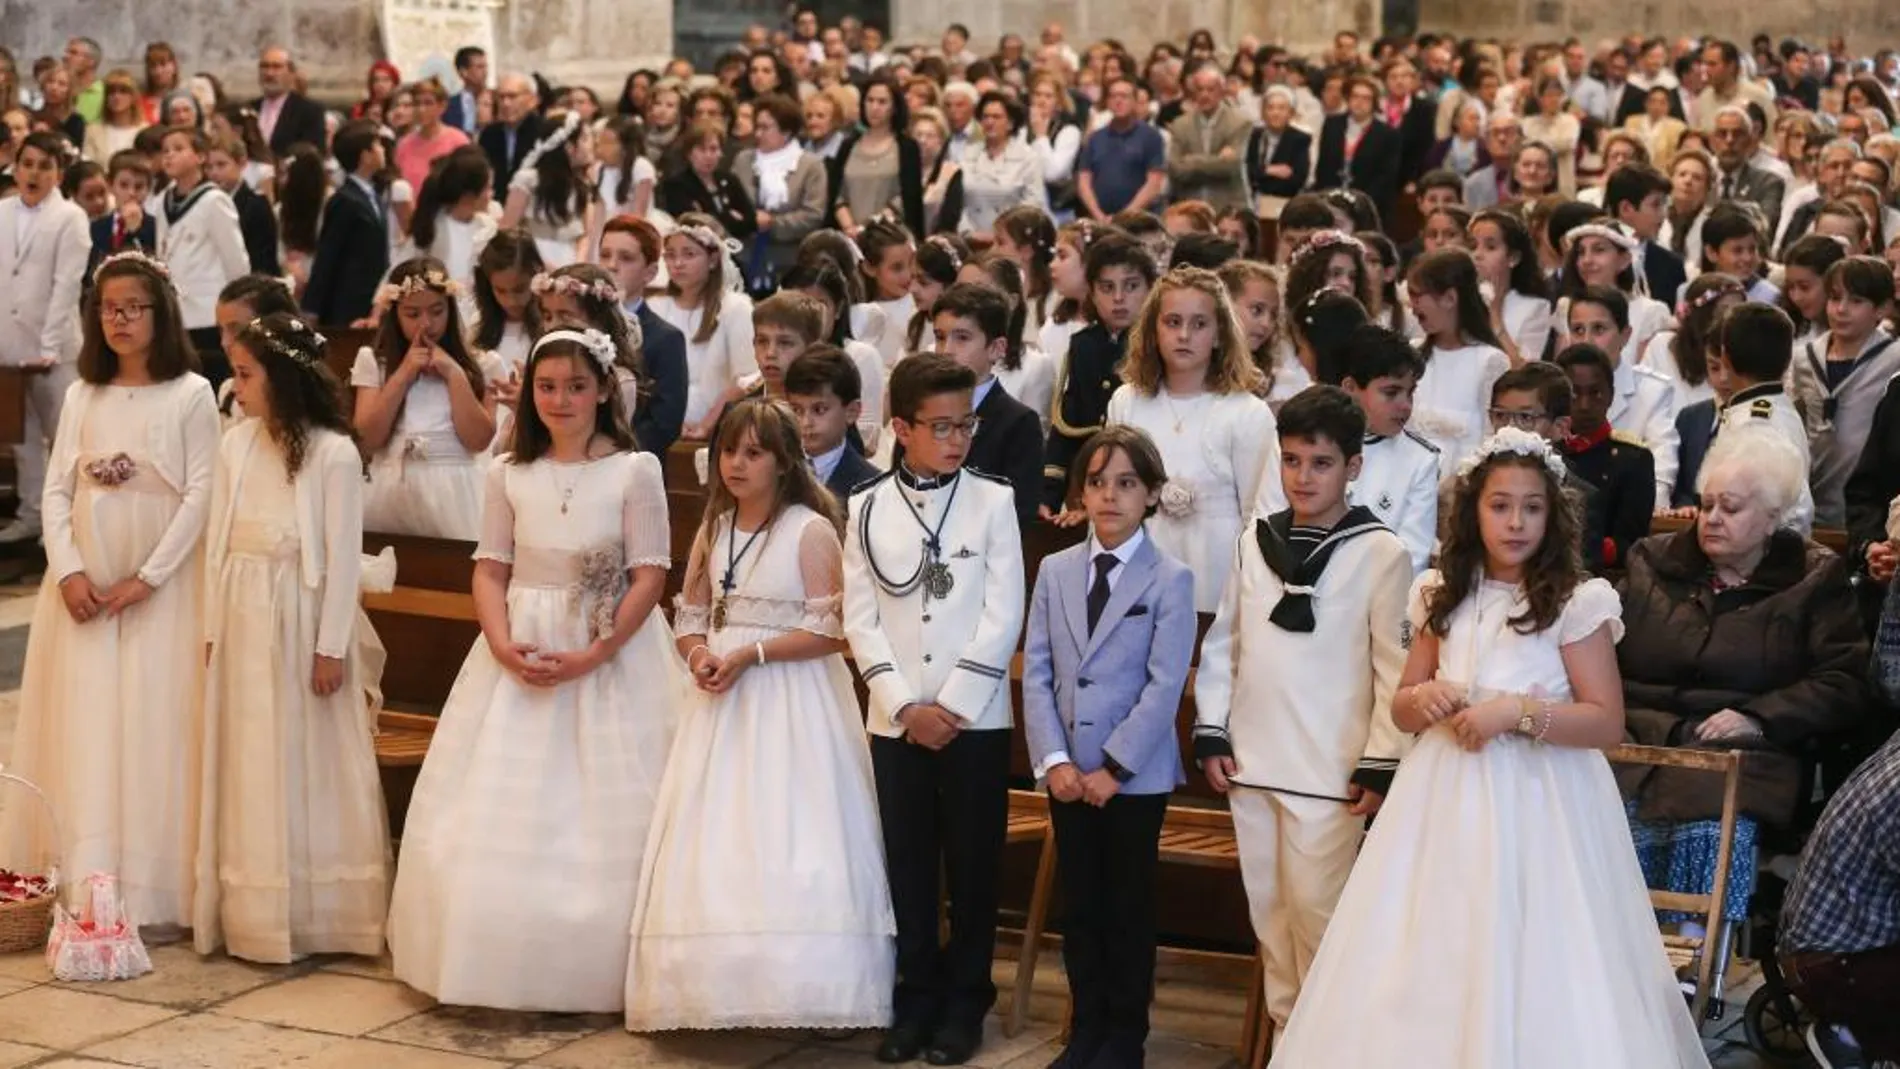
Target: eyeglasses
{"points": [[944, 429], [123, 313], [1523, 421]]}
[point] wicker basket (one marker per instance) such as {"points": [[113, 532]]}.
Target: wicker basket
{"points": [[25, 925]]}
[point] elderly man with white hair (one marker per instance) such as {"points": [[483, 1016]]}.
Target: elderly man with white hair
{"points": [[1488, 187], [516, 128], [1206, 143], [959, 110]]}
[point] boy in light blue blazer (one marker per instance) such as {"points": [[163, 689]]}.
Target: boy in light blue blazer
{"points": [[1111, 635]]}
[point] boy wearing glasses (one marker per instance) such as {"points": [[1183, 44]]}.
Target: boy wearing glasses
{"points": [[933, 606], [44, 246], [1398, 473]]}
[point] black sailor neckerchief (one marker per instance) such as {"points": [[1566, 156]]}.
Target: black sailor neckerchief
{"points": [[1294, 612], [177, 206], [1830, 392]]}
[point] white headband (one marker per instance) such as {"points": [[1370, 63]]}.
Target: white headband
{"points": [[597, 344], [1513, 440]]}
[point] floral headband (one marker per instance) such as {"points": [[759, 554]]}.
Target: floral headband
{"points": [[1513, 440], [597, 344], [600, 290], [1322, 240], [389, 293], [554, 140], [310, 356], [132, 256], [1610, 232], [709, 239], [944, 245], [1728, 288]]}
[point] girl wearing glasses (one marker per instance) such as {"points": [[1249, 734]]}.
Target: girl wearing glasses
{"points": [[108, 700], [1189, 382]]}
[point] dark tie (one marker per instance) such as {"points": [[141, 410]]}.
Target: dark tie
{"points": [[1728, 187], [1098, 593]]}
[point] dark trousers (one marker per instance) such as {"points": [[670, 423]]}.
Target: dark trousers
{"points": [[944, 812], [1855, 991], [213, 365], [1107, 858]]}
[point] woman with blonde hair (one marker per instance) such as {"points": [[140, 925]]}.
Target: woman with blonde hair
{"points": [[1189, 380], [121, 118]]}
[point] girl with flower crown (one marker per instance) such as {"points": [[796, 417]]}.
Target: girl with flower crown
{"points": [[109, 699], [1189, 381], [705, 301], [550, 193], [1497, 917], [522, 851], [423, 409], [293, 849], [1605, 253]]}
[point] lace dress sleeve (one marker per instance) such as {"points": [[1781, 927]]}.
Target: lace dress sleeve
{"points": [[497, 541], [1591, 606], [821, 567], [644, 530]]}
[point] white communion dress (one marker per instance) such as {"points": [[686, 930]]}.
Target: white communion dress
{"points": [[764, 902], [1497, 918], [423, 481], [293, 854], [521, 854], [110, 708]]}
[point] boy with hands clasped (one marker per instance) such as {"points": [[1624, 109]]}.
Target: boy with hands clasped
{"points": [[1111, 635]]}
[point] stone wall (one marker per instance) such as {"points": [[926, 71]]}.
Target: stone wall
{"points": [[593, 42], [1867, 24], [1306, 24]]}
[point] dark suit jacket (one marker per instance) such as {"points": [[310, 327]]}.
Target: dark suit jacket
{"points": [[352, 257], [910, 181], [1416, 137], [259, 225], [663, 354], [1295, 149], [1008, 445], [454, 113], [1080, 405], [494, 142], [1631, 104], [1759, 186], [146, 240], [1695, 425], [301, 122], [682, 192], [1664, 271], [852, 472], [1375, 165]]}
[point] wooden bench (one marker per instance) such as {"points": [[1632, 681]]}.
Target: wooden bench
{"points": [[1834, 538]]}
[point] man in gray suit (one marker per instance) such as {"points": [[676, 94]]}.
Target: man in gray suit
{"points": [[1208, 143], [1488, 187], [1740, 180]]}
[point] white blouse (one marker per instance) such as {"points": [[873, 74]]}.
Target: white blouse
{"points": [[1527, 320], [993, 184], [1451, 409], [1033, 383], [716, 364]]}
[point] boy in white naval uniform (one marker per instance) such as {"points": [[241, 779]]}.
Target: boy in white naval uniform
{"points": [[1398, 469], [1295, 687], [933, 609], [1755, 347]]}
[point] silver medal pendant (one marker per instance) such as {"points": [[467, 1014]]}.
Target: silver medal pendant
{"points": [[938, 582]]}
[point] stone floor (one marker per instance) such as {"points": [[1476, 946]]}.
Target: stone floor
{"points": [[347, 1013]]}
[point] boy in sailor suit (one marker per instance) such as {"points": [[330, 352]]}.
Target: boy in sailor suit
{"points": [[933, 606], [1111, 635], [1295, 687], [1398, 472], [1754, 347]]}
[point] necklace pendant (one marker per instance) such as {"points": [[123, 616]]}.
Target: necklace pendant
{"points": [[719, 614], [938, 582]]}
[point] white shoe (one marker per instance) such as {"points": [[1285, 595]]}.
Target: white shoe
{"points": [[19, 531]]}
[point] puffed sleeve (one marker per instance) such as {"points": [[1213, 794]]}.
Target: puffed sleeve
{"points": [[1591, 606], [691, 606], [821, 567], [497, 541], [367, 371], [1415, 601], [644, 529]]}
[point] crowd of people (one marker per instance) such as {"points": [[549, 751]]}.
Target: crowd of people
{"points": [[1566, 352]]}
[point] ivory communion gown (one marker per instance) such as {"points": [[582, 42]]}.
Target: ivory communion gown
{"points": [[1497, 917], [521, 853], [764, 902]]}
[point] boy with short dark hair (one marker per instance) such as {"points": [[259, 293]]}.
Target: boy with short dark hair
{"points": [[1637, 195], [971, 324], [1615, 463], [823, 388], [202, 245], [1398, 474], [1120, 272], [1840, 377], [1754, 346], [129, 226], [1303, 216], [1111, 635], [353, 244], [1436, 189], [933, 606], [224, 164], [1732, 245], [1317, 592]]}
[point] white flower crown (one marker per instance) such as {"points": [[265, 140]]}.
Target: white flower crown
{"points": [[709, 239], [597, 344], [1321, 240], [1513, 440], [310, 357], [551, 142], [133, 256], [601, 289], [429, 281]]}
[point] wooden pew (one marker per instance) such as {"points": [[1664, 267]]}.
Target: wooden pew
{"points": [[1834, 538]]}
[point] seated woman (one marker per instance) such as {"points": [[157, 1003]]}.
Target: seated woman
{"points": [[1740, 635]]}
